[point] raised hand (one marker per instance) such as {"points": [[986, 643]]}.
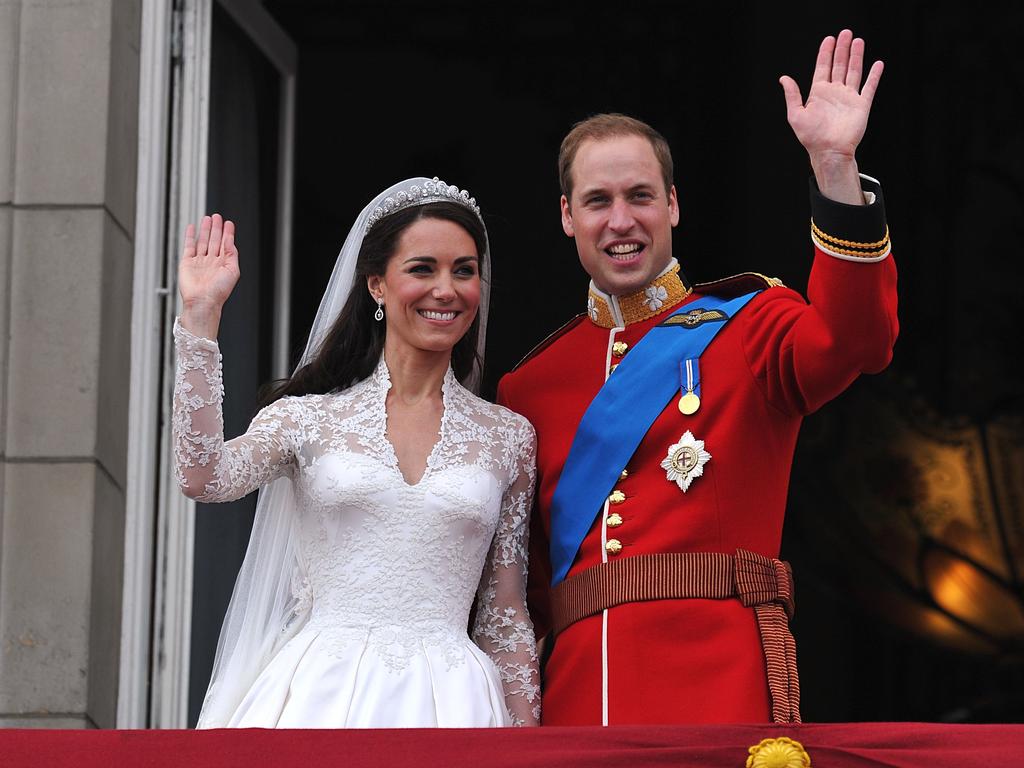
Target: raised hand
{"points": [[831, 123], [207, 273]]}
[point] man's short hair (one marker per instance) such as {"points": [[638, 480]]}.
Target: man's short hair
{"points": [[608, 126]]}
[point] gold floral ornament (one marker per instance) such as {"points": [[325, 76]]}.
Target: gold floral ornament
{"points": [[781, 752]]}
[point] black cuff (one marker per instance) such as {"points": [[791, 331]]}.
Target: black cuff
{"points": [[857, 231]]}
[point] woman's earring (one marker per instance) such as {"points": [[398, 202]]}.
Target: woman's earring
{"points": [[379, 314]]}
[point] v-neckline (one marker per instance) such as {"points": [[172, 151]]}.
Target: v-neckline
{"points": [[384, 377]]}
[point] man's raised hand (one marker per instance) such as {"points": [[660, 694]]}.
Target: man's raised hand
{"points": [[835, 115], [831, 123]]}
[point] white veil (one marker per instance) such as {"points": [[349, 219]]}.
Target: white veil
{"points": [[270, 603]]}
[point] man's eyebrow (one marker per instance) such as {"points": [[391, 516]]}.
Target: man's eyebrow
{"points": [[601, 190], [642, 185]]}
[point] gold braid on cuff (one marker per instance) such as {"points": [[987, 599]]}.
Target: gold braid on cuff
{"points": [[855, 248]]}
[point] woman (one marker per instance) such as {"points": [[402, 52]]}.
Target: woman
{"points": [[394, 493]]}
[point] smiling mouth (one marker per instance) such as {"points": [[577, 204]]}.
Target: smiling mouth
{"points": [[430, 314], [624, 251]]}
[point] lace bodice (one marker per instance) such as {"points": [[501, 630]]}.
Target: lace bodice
{"points": [[402, 561]]}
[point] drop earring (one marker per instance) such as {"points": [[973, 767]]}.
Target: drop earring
{"points": [[379, 314]]}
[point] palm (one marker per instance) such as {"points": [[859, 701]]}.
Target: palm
{"points": [[208, 270], [835, 115]]}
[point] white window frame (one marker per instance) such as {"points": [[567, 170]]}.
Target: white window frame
{"points": [[173, 126]]}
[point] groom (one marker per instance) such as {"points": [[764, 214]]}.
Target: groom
{"points": [[667, 416]]}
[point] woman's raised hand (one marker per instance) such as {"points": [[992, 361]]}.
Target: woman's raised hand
{"points": [[207, 274]]}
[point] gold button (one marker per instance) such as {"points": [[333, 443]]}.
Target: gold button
{"points": [[614, 520], [623, 474], [613, 546], [616, 497], [619, 348], [612, 369]]}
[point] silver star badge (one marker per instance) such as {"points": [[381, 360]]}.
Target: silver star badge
{"points": [[685, 461]]}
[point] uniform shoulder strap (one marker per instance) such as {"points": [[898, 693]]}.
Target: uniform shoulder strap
{"points": [[550, 339], [737, 285]]}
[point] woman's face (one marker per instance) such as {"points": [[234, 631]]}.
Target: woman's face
{"points": [[431, 287]]}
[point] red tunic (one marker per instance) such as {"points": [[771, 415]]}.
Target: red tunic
{"points": [[694, 660]]}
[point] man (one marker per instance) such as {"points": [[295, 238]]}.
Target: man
{"points": [[662, 486]]}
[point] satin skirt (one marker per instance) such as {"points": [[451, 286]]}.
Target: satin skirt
{"points": [[309, 684]]}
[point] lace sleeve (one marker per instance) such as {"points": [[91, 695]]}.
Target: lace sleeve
{"points": [[207, 468], [503, 628]]}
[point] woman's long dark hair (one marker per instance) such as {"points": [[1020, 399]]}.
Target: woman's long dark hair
{"points": [[351, 349]]}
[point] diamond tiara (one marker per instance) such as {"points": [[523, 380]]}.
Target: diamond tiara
{"points": [[435, 191]]}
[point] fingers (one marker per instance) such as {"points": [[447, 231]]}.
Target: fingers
{"points": [[841, 57], [227, 245], [856, 66], [823, 65], [841, 60], [204, 236], [216, 230], [216, 237], [871, 84], [792, 93], [189, 250]]}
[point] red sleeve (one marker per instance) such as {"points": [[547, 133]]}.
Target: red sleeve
{"points": [[803, 354]]}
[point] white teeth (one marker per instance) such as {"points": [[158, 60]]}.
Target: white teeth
{"points": [[626, 250], [431, 315]]}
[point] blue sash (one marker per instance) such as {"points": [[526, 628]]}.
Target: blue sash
{"points": [[620, 415]]}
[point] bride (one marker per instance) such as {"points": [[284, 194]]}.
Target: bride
{"points": [[391, 495]]}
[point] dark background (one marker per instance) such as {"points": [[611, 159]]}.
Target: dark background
{"points": [[481, 94]]}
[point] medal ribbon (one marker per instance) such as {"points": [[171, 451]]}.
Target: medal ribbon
{"points": [[689, 377], [621, 413]]}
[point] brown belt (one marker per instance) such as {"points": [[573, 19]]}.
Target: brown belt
{"points": [[764, 584]]}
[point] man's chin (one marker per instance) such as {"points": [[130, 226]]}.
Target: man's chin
{"points": [[622, 287], [624, 281]]}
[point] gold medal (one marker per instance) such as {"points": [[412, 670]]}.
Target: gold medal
{"points": [[689, 404], [689, 380]]}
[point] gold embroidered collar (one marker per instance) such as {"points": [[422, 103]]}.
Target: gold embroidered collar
{"points": [[666, 291]]}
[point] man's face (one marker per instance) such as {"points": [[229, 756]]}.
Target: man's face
{"points": [[620, 214]]}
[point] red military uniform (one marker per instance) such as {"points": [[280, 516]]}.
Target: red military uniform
{"points": [[779, 358]]}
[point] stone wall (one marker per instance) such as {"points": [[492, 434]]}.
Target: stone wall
{"points": [[68, 138]]}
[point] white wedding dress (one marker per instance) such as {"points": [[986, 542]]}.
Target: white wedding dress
{"points": [[389, 570]]}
